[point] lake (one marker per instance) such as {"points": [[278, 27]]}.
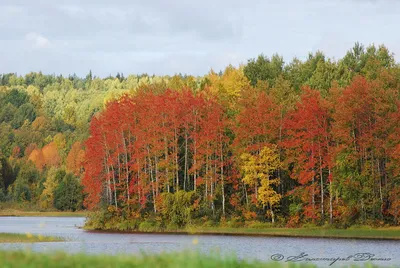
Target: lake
{"points": [[261, 248]]}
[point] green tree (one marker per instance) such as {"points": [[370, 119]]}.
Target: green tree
{"points": [[25, 112], [68, 194], [26, 183], [6, 139], [264, 69], [7, 113], [323, 76], [16, 97]]}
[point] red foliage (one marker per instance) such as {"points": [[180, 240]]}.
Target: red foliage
{"points": [[135, 150], [307, 141]]}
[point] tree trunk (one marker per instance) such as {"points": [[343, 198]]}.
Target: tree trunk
{"points": [[322, 184], [186, 161], [222, 182], [152, 184], [272, 214], [330, 199]]}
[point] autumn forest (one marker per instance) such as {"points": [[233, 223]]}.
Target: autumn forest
{"points": [[313, 141]]}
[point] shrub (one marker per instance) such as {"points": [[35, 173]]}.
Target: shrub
{"points": [[209, 223], [177, 208], [309, 225], [235, 223], [172, 227], [147, 226], [128, 225], [260, 225]]}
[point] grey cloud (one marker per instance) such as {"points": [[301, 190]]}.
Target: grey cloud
{"points": [[165, 37]]}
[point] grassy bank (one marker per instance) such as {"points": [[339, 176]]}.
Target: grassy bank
{"points": [[355, 232], [184, 259], [26, 238], [22, 213]]}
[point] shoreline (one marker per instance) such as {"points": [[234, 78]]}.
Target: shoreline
{"points": [[260, 233], [22, 213], [10, 238], [362, 233]]}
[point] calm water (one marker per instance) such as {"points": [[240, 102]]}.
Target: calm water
{"points": [[261, 248]]}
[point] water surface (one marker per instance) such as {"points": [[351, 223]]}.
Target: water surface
{"points": [[261, 248]]}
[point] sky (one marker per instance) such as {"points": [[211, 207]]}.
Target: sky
{"points": [[176, 36]]}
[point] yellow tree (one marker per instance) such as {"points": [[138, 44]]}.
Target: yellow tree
{"points": [[47, 196], [260, 169], [229, 86]]}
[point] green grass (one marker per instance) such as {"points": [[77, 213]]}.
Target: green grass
{"points": [[165, 260], [26, 238], [22, 213]]}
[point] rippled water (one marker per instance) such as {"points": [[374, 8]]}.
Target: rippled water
{"points": [[261, 248]]}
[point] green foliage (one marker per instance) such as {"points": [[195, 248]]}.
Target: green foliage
{"points": [[22, 192], [59, 176], [148, 226], [16, 97], [24, 112], [7, 137], [323, 76], [7, 113], [128, 225], [7, 173], [96, 220], [264, 69], [3, 196], [177, 208], [26, 183], [68, 194]]}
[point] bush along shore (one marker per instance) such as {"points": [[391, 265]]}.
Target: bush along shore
{"points": [[103, 221]]}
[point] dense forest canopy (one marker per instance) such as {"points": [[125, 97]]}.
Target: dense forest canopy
{"points": [[312, 141]]}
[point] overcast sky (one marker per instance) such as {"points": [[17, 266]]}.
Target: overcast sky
{"points": [[168, 37]]}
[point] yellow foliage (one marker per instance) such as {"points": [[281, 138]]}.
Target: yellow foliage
{"points": [[258, 169], [59, 140], [228, 87], [47, 196], [40, 123]]}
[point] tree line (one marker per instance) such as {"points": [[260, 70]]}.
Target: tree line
{"points": [[313, 141]]}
